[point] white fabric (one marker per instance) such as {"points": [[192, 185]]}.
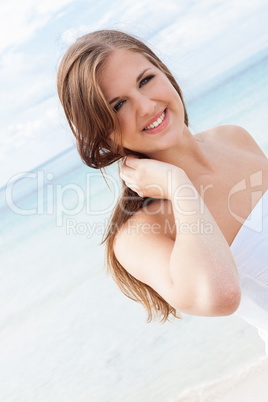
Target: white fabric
{"points": [[250, 251]]}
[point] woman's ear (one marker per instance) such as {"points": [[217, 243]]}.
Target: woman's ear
{"points": [[111, 138], [112, 142]]}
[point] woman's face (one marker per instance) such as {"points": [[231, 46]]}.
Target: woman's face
{"points": [[149, 108]]}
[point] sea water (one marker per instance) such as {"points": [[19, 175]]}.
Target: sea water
{"points": [[66, 332]]}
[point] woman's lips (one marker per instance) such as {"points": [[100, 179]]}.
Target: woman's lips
{"points": [[160, 127]]}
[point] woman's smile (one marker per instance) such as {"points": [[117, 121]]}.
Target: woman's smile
{"points": [[158, 123]]}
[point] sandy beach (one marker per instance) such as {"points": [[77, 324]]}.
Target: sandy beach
{"points": [[250, 384]]}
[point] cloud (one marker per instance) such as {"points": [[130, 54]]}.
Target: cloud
{"points": [[20, 19], [204, 21], [35, 136], [25, 80]]}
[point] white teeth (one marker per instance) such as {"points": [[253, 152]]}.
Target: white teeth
{"points": [[157, 122]]}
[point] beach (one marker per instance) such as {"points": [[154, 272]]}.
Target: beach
{"points": [[250, 384]]}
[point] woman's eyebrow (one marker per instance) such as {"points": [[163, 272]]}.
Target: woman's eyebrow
{"points": [[137, 80], [141, 74]]}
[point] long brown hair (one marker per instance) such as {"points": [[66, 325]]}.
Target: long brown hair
{"points": [[92, 120]]}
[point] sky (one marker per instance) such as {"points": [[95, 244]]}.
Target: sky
{"points": [[197, 39]]}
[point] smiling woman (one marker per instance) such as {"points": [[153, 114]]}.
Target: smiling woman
{"points": [[122, 103], [94, 122]]}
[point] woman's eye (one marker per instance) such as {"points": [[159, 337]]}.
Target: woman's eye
{"points": [[118, 105], [145, 80]]}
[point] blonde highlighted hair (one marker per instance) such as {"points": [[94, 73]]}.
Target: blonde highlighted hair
{"points": [[92, 121]]}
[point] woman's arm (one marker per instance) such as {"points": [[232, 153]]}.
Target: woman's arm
{"points": [[201, 266], [196, 273]]}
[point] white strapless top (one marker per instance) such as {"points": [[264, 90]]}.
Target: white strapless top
{"points": [[250, 251]]}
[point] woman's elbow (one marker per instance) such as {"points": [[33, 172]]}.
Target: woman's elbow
{"points": [[219, 302], [228, 302]]}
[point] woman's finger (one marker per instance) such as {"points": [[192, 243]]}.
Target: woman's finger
{"points": [[126, 170], [127, 178]]}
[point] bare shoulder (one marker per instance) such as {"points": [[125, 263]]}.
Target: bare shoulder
{"points": [[236, 136]]}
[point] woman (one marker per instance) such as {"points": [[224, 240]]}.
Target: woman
{"points": [[186, 202]]}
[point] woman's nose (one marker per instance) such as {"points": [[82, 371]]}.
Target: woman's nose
{"points": [[145, 106]]}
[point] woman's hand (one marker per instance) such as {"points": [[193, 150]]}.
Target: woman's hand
{"points": [[151, 178]]}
